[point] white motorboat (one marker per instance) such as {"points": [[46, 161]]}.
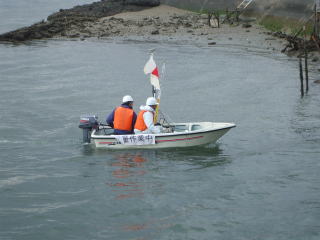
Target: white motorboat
{"points": [[176, 135], [173, 135]]}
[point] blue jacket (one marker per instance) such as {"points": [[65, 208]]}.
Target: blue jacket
{"points": [[110, 120]]}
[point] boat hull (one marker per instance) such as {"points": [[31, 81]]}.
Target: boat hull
{"points": [[172, 140]]}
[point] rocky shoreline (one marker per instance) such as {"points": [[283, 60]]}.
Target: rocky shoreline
{"points": [[146, 20], [112, 19], [76, 19], [136, 19]]}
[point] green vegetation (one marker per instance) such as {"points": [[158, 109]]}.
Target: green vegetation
{"points": [[287, 25], [217, 11], [205, 11], [271, 24]]}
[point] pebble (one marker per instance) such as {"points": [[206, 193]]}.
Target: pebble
{"points": [[155, 32]]}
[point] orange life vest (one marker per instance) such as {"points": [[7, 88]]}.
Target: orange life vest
{"points": [[140, 125], [123, 119]]}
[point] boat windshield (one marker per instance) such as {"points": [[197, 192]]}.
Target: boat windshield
{"points": [[195, 127], [181, 128]]}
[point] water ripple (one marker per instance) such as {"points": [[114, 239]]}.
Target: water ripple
{"points": [[43, 208]]}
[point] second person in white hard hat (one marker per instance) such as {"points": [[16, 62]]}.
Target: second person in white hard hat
{"points": [[144, 123], [123, 118]]}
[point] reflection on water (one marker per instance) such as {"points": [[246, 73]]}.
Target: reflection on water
{"points": [[126, 167], [131, 168], [306, 121], [203, 156], [198, 157]]}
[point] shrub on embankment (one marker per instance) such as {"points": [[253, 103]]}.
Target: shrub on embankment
{"points": [[284, 24]]}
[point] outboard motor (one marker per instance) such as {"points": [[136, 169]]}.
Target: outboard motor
{"points": [[88, 123]]}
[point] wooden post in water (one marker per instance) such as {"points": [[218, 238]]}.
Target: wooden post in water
{"points": [[316, 30], [301, 77], [237, 15], [306, 59], [210, 13], [217, 17], [307, 70], [227, 18]]}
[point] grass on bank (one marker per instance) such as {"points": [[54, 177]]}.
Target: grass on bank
{"points": [[286, 25], [204, 10]]}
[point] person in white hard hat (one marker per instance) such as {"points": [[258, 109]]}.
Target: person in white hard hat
{"points": [[144, 123], [123, 118]]}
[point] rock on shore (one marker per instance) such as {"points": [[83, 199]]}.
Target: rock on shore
{"points": [[64, 21], [163, 20]]}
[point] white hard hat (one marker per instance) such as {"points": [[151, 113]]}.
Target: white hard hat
{"points": [[127, 98], [151, 101]]}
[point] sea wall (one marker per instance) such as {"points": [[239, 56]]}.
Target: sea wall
{"points": [[283, 8]]}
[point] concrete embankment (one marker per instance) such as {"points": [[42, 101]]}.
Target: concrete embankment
{"points": [[285, 15], [285, 18], [281, 8]]}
